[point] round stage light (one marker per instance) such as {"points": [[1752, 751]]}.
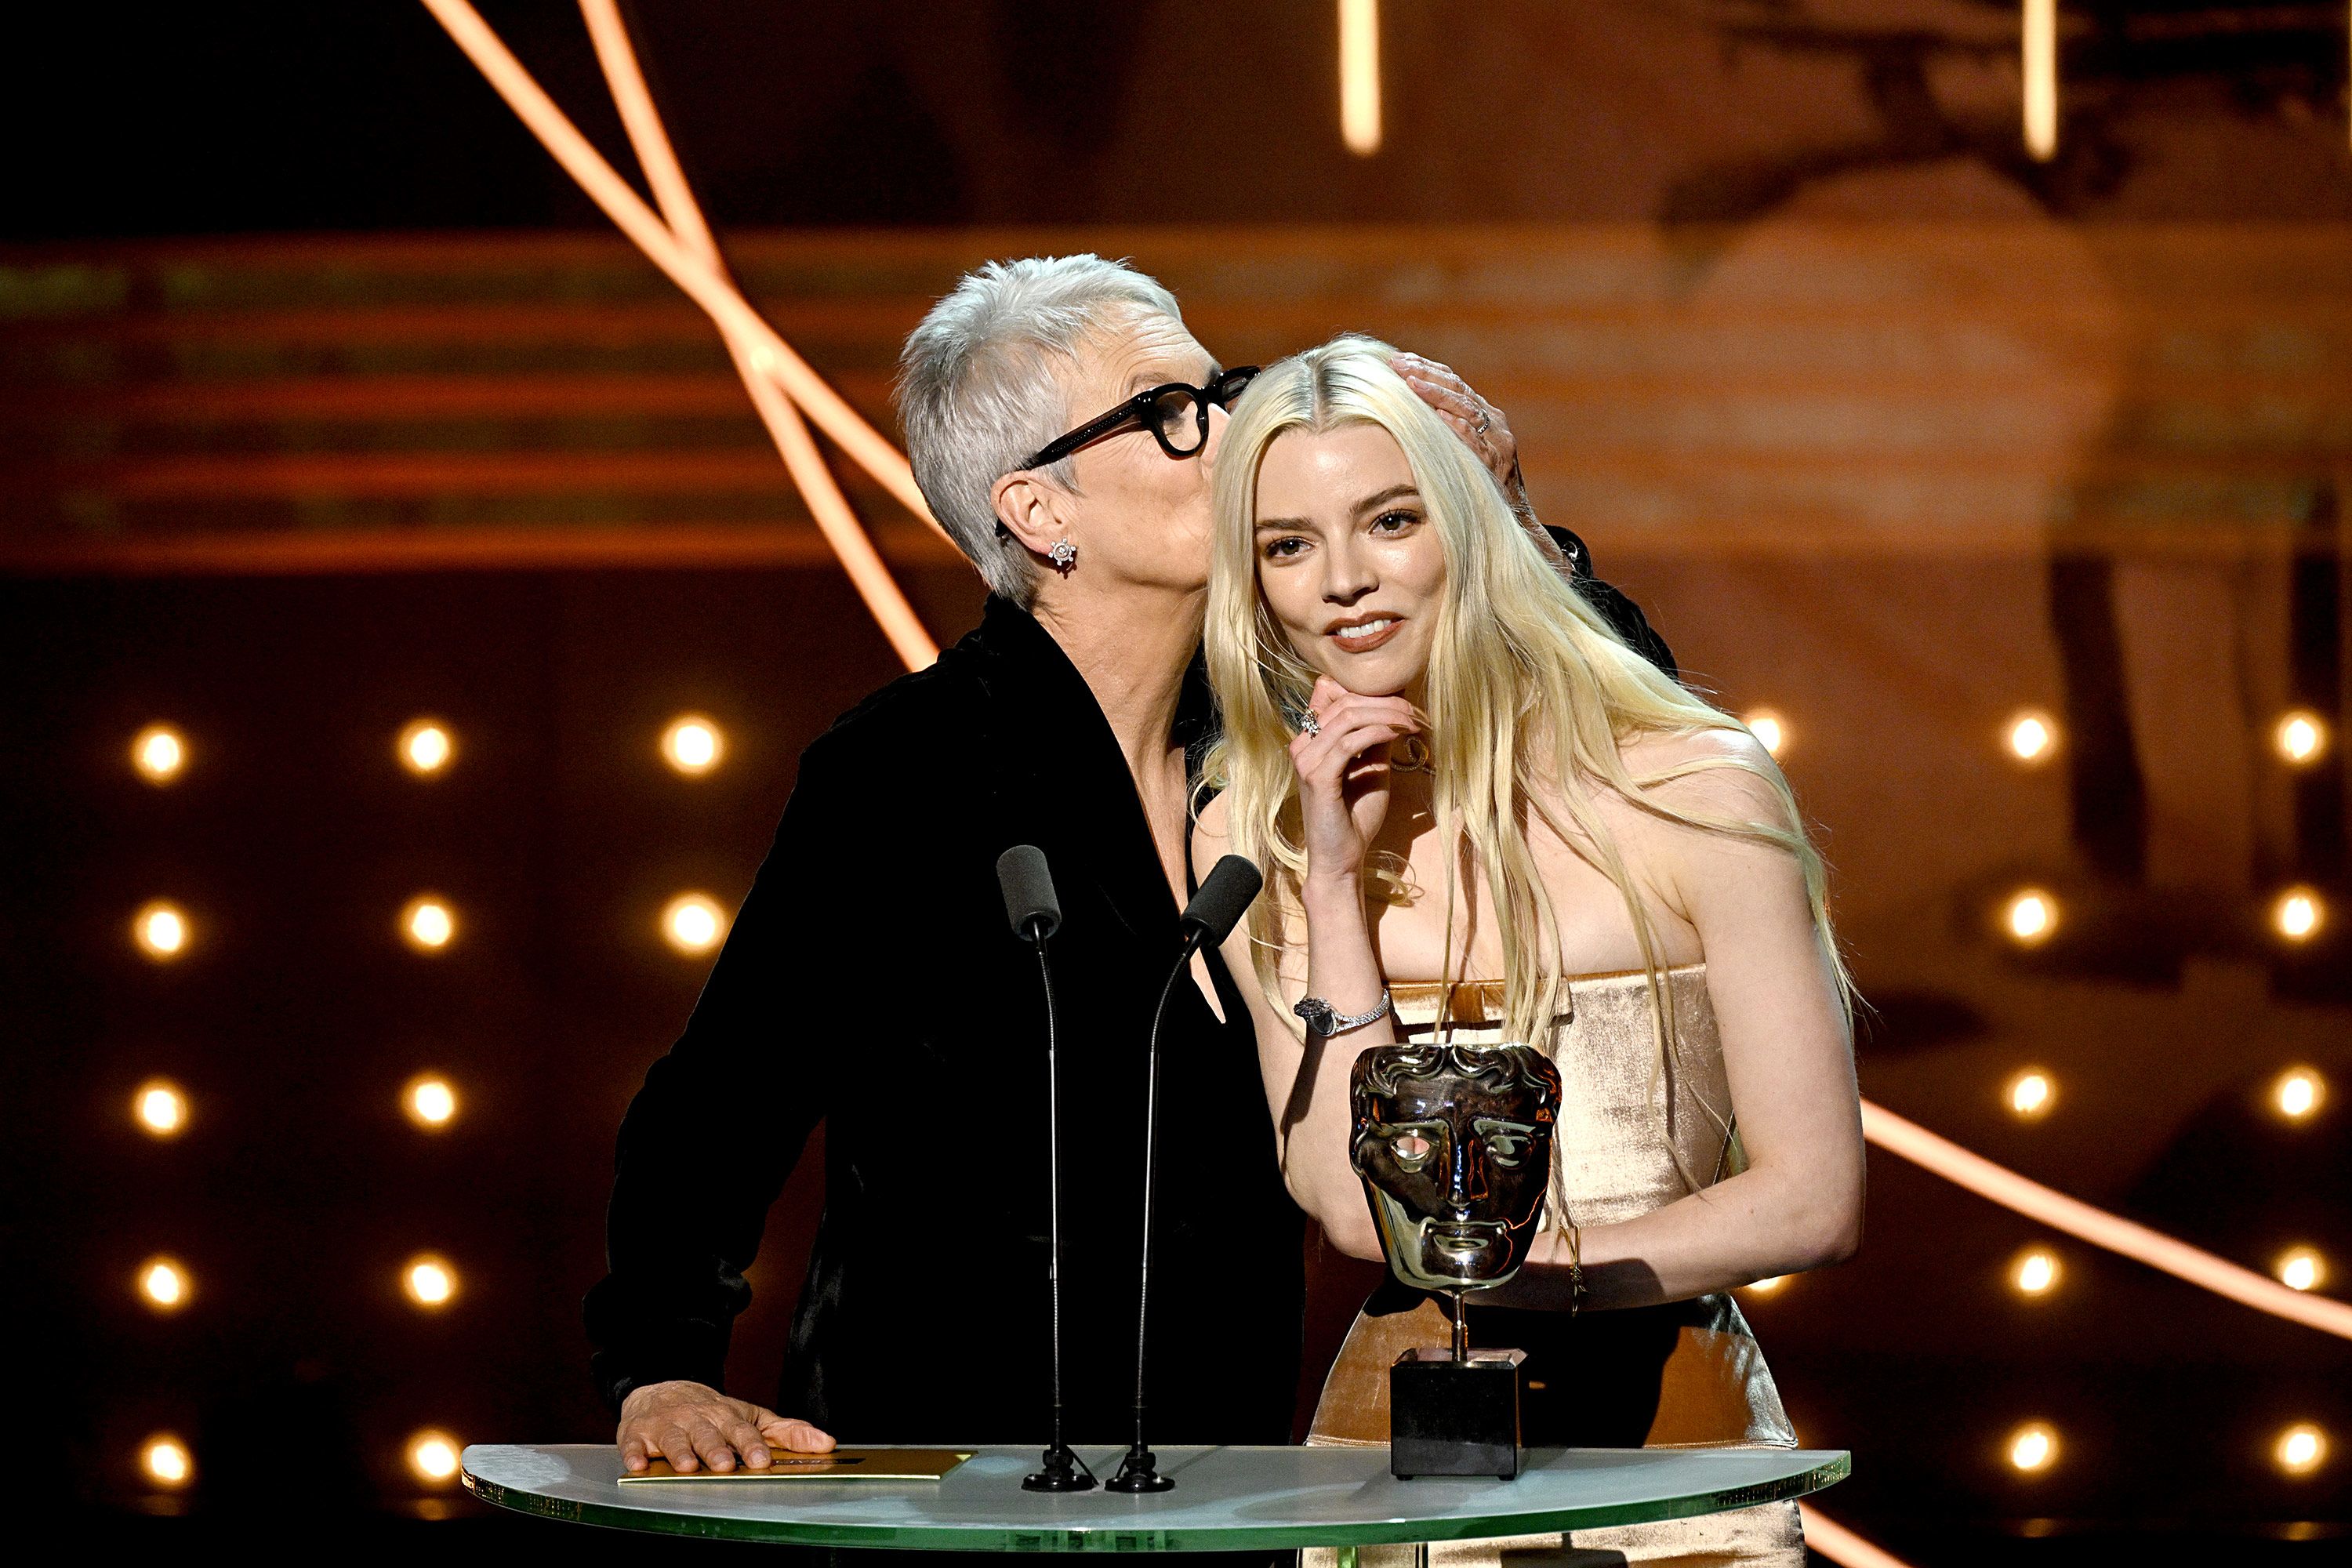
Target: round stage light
{"points": [[2300, 1269], [692, 744], [159, 753], [2298, 914], [2298, 1093], [2029, 917], [1771, 731], [162, 930], [432, 1456], [2300, 1449], [425, 747], [2301, 737], [2030, 1094], [693, 923], [428, 923], [2035, 1273], [166, 1461], [429, 1281], [163, 1284], [2031, 736], [159, 1108], [429, 1101], [2033, 1448]]}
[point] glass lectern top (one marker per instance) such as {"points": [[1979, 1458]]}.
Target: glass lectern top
{"points": [[1225, 1500]]}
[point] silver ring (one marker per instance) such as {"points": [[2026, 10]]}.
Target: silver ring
{"points": [[1483, 420], [1308, 724]]}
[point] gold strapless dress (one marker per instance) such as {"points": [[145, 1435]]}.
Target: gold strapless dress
{"points": [[1687, 1374]]}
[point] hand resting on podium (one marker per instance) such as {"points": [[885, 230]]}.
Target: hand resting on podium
{"points": [[692, 1425]]}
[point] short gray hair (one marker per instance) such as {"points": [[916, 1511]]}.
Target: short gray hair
{"points": [[978, 390]]}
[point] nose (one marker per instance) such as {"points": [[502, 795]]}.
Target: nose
{"points": [[1466, 1177], [1348, 570]]}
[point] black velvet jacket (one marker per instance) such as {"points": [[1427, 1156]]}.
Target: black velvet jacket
{"points": [[870, 981]]}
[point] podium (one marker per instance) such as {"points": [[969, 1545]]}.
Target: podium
{"points": [[1225, 1499]]}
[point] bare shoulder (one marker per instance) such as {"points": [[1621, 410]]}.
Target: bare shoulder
{"points": [[1719, 774]]}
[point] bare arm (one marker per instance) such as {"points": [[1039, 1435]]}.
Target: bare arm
{"points": [[1790, 1061], [1343, 774]]}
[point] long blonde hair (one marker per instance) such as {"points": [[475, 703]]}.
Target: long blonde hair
{"points": [[1530, 693]]}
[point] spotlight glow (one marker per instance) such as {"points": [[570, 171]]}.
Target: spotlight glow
{"points": [[2029, 918], [429, 1101], [2039, 66], [2298, 1093], [2298, 914], [429, 1281], [2300, 1269], [1769, 1285], [159, 1108], [432, 1456], [1771, 731], [1360, 76], [159, 753], [2300, 1449], [425, 747], [166, 1461], [427, 923], [2031, 736], [162, 930], [2030, 1094], [692, 744], [2033, 1448], [163, 1284], [2300, 737], [2035, 1272], [693, 922]]}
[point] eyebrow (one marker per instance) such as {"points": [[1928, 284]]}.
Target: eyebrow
{"points": [[1394, 492]]}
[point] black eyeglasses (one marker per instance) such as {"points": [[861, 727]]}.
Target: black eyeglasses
{"points": [[1177, 415]]}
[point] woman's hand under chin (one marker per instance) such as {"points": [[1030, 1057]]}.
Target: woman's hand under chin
{"points": [[1343, 776]]}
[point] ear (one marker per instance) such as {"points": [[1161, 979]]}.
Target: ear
{"points": [[1030, 507]]}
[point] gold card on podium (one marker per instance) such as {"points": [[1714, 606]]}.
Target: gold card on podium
{"points": [[841, 1465]]}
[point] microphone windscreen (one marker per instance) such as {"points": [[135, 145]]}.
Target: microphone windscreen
{"points": [[1218, 907], [1029, 900]]}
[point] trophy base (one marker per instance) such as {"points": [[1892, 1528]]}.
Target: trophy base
{"points": [[1449, 1417]]}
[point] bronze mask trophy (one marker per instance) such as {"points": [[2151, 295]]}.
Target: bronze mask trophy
{"points": [[1453, 1144]]}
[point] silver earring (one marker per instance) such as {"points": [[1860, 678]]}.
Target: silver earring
{"points": [[1062, 554]]}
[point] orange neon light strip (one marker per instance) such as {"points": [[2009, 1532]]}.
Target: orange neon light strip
{"points": [[769, 356], [1839, 1544], [835, 518], [2097, 1226]]}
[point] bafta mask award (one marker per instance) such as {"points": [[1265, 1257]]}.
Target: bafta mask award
{"points": [[1454, 1144]]}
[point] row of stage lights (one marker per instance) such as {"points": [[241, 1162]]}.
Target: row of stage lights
{"points": [[692, 923], [159, 1109], [2030, 916], [2036, 1272]]}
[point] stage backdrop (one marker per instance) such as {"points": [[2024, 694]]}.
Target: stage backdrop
{"points": [[1894, 485]]}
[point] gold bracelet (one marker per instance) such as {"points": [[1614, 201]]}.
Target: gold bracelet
{"points": [[1576, 1289]]}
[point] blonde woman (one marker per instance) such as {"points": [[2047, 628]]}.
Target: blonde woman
{"points": [[1481, 813]]}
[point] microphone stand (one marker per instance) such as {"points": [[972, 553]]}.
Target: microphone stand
{"points": [[1064, 1471], [1140, 1470]]}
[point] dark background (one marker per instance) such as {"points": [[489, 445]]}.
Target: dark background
{"points": [[274, 201]]}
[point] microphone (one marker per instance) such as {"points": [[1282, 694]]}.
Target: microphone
{"points": [[1210, 917], [1035, 915], [1028, 887], [1220, 904]]}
